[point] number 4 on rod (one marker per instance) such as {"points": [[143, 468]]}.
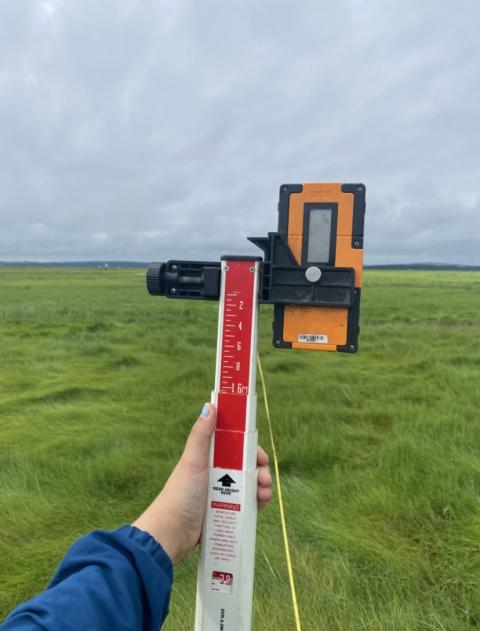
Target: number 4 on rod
{"points": [[311, 272]]}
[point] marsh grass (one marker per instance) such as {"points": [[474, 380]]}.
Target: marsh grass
{"points": [[99, 385]]}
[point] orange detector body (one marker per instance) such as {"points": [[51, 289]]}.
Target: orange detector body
{"points": [[322, 224]]}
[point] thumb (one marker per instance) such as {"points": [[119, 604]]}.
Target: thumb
{"points": [[197, 449]]}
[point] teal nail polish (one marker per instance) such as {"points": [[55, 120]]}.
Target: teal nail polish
{"points": [[204, 411]]}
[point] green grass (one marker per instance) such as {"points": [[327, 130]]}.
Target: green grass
{"points": [[380, 452]]}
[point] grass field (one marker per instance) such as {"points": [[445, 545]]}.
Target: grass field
{"points": [[380, 452]]}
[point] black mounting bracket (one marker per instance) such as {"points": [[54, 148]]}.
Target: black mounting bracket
{"points": [[282, 280]]}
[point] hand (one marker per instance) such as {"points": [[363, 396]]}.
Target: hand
{"points": [[175, 517]]}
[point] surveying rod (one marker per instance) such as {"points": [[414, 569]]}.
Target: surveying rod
{"points": [[311, 272], [227, 553]]}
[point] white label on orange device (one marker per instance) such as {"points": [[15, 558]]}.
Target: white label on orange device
{"points": [[307, 338]]}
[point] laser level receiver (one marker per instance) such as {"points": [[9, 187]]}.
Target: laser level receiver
{"points": [[312, 273]]}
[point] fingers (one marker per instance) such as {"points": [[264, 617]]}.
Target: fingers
{"points": [[262, 457], [264, 492], [197, 448], [264, 477]]}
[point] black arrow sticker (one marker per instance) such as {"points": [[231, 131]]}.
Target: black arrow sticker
{"points": [[226, 480]]}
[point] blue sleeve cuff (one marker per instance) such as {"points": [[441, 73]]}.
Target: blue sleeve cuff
{"points": [[150, 545]]}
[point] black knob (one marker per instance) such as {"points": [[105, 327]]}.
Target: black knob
{"points": [[156, 279]]}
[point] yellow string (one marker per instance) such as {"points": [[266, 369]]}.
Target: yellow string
{"points": [[280, 501]]}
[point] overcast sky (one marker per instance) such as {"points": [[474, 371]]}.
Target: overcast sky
{"points": [[156, 129]]}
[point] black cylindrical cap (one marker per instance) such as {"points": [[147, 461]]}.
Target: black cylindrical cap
{"points": [[155, 279]]}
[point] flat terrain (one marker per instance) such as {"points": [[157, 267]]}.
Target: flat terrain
{"points": [[380, 452]]}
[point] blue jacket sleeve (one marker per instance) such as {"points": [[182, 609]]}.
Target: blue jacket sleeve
{"points": [[118, 580]]}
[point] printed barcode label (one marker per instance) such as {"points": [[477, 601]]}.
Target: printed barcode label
{"points": [[312, 339]]}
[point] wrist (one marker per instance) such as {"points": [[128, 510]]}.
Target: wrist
{"points": [[163, 530]]}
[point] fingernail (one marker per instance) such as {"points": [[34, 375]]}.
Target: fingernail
{"points": [[205, 410]]}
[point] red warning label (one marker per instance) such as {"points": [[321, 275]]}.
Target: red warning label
{"points": [[226, 506]]}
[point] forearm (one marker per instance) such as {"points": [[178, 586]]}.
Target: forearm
{"points": [[108, 580]]}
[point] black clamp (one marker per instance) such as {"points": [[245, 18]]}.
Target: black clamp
{"points": [[282, 280]]}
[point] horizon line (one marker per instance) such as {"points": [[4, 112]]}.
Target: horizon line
{"points": [[137, 263]]}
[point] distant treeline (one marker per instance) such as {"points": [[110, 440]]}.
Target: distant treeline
{"points": [[101, 264], [118, 264], [427, 266]]}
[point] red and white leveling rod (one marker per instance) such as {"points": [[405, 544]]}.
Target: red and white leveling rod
{"points": [[227, 554]]}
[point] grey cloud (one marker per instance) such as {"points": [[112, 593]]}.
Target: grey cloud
{"points": [[140, 130]]}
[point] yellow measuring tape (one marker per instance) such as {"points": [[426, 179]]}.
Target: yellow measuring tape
{"points": [[280, 501]]}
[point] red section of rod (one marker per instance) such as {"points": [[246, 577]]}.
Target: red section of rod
{"points": [[234, 364]]}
